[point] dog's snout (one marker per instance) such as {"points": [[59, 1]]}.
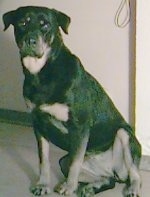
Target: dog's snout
{"points": [[31, 39]]}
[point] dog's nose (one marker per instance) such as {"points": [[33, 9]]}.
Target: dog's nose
{"points": [[32, 41]]}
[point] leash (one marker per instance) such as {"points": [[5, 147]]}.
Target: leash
{"points": [[124, 4]]}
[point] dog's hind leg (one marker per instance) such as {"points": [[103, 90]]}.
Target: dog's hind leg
{"points": [[90, 189], [118, 164], [96, 174], [43, 185], [131, 156]]}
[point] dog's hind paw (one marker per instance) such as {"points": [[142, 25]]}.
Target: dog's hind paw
{"points": [[40, 190], [64, 189], [84, 190]]}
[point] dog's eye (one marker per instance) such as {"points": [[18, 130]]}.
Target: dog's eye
{"points": [[25, 22], [44, 24], [28, 19]]}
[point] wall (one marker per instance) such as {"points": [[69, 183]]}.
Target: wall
{"points": [[102, 47], [143, 74]]}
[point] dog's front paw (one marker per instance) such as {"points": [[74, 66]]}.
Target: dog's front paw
{"points": [[40, 189], [65, 189]]}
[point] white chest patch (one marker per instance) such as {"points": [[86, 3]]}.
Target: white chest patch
{"points": [[58, 110], [33, 64]]}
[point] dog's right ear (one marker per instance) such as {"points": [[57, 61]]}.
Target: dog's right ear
{"points": [[8, 19], [63, 20]]}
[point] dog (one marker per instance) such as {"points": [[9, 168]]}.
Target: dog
{"points": [[72, 110]]}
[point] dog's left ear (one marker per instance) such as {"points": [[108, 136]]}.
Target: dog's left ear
{"points": [[63, 20], [8, 18]]}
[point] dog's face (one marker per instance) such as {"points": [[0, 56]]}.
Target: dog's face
{"points": [[37, 29]]}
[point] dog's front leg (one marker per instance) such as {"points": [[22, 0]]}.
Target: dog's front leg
{"points": [[43, 185], [76, 155]]}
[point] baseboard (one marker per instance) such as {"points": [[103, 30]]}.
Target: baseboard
{"points": [[24, 119], [15, 117]]}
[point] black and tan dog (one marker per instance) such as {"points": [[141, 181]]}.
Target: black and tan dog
{"points": [[71, 109]]}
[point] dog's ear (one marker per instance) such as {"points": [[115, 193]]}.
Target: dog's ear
{"points": [[8, 18], [63, 20]]}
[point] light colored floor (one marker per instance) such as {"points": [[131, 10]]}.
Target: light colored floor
{"points": [[19, 164]]}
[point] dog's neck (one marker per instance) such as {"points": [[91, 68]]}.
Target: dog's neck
{"points": [[35, 64]]}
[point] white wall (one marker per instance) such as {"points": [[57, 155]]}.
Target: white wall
{"points": [[143, 74], [102, 47]]}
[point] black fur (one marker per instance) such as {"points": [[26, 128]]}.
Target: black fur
{"points": [[64, 80]]}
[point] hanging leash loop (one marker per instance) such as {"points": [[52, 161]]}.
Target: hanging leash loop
{"points": [[124, 4]]}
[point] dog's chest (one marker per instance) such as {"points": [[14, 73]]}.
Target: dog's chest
{"points": [[33, 64], [59, 113], [58, 110]]}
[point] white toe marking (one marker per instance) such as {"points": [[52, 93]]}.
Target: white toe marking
{"points": [[58, 110]]}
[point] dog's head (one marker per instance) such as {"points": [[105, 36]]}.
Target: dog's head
{"points": [[37, 29]]}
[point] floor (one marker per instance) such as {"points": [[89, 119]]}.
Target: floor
{"points": [[19, 164]]}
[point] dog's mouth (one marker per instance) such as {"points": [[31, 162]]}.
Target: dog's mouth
{"points": [[33, 48]]}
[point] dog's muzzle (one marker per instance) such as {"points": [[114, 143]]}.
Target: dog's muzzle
{"points": [[32, 45]]}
